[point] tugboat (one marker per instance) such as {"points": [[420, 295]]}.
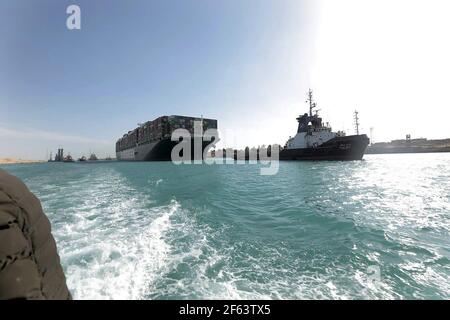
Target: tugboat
{"points": [[82, 159], [316, 141], [68, 158]]}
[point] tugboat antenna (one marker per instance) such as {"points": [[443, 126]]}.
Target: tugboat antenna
{"points": [[312, 104], [357, 122], [371, 135]]}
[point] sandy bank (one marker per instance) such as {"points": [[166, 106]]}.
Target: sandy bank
{"points": [[16, 161]]}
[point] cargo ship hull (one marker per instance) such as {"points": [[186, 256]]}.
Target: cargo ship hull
{"points": [[156, 151], [339, 148]]}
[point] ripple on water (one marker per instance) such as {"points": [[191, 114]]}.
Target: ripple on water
{"points": [[335, 230]]}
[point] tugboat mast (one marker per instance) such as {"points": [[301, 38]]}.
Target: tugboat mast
{"points": [[312, 104], [357, 122]]}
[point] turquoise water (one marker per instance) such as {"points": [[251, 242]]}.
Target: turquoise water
{"points": [[377, 228]]}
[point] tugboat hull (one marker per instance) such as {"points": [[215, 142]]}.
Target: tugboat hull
{"points": [[339, 148]]}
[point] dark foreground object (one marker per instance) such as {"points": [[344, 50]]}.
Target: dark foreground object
{"points": [[29, 262]]}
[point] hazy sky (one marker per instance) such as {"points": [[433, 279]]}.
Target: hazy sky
{"points": [[246, 63]]}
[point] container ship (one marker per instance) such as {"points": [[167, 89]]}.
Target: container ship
{"points": [[151, 141], [316, 141]]}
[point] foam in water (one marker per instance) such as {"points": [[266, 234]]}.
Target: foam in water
{"points": [[112, 242], [123, 264]]}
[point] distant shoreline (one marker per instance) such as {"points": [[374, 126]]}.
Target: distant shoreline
{"points": [[18, 161], [397, 150]]}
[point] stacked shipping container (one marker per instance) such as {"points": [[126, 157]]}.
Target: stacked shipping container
{"points": [[159, 129]]}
